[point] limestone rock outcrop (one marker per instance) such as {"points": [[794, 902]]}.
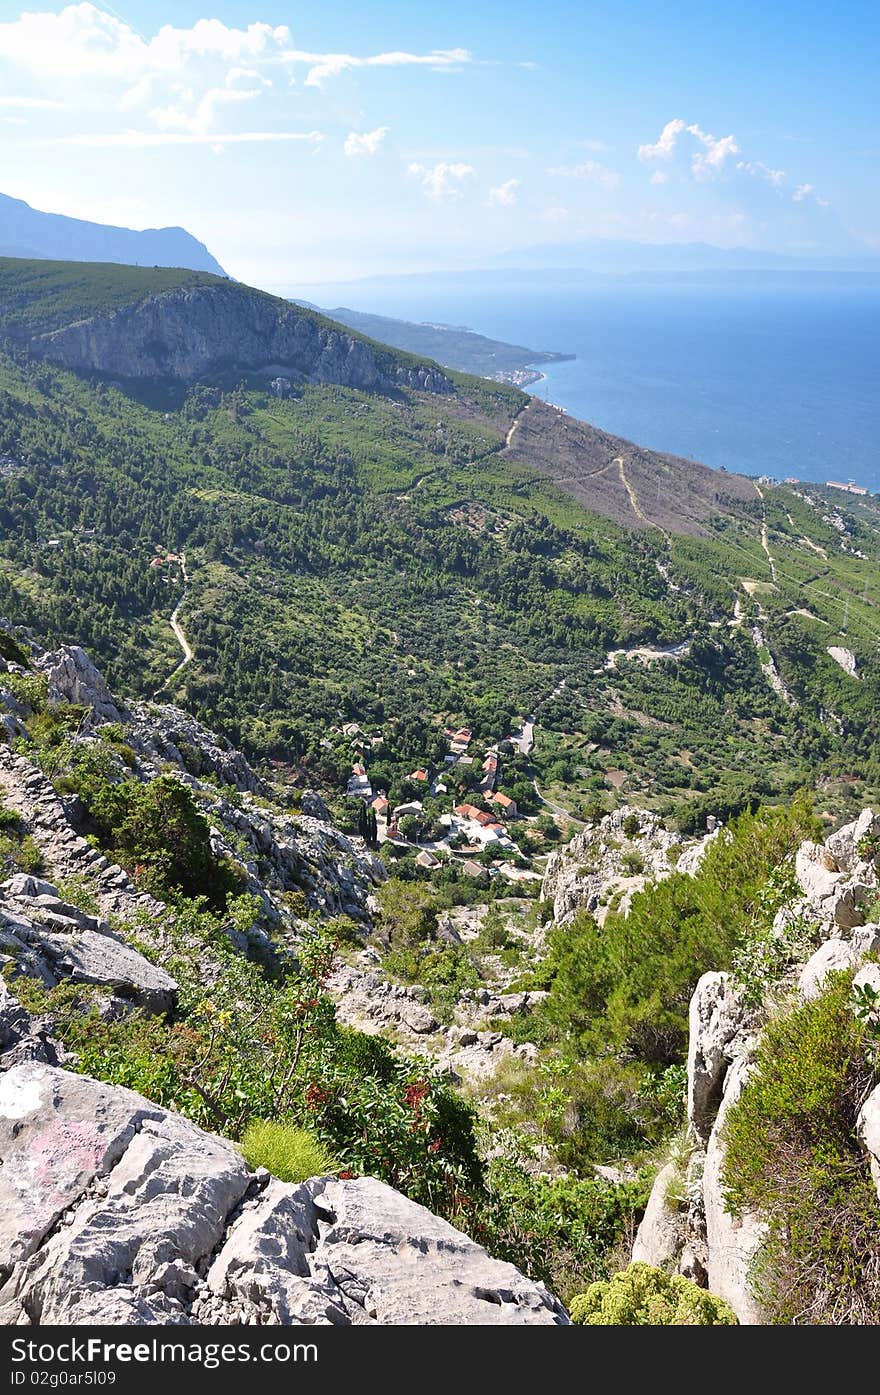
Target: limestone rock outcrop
{"points": [[687, 1226], [74, 678], [197, 332], [597, 865], [715, 1016], [44, 937], [114, 1210]]}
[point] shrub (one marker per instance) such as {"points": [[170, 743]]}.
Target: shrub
{"points": [[155, 830], [561, 1230], [289, 1153], [643, 1296], [11, 650], [628, 983], [793, 1158]]}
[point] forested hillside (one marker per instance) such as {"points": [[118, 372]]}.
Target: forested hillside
{"points": [[401, 559]]}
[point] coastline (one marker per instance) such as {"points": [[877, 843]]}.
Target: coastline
{"points": [[518, 377]]}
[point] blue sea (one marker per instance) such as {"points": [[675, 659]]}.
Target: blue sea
{"points": [[778, 379]]}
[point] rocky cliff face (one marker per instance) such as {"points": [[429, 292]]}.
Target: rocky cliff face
{"points": [[687, 1227], [196, 332], [606, 865]]}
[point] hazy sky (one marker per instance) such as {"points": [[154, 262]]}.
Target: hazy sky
{"points": [[306, 143]]}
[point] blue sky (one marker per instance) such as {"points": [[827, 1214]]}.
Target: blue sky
{"points": [[312, 144]]}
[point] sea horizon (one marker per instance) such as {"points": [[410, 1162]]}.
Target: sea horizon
{"points": [[764, 379]]}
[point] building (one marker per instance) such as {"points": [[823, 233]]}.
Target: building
{"points": [[380, 804], [420, 775], [472, 869], [427, 860], [413, 806], [504, 803], [850, 487]]}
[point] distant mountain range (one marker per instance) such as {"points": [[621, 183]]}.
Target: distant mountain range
{"points": [[623, 258], [28, 232]]}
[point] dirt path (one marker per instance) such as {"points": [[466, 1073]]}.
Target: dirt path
{"points": [[557, 808], [764, 543], [633, 499], [511, 430], [177, 629]]}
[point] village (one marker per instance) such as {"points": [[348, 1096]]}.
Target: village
{"points": [[455, 812]]}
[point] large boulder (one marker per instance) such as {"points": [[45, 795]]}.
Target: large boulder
{"points": [[114, 1210], [49, 939], [834, 898], [829, 958], [74, 678], [715, 1017], [836, 955]]}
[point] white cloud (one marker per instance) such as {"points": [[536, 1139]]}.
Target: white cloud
{"points": [[707, 153], [246, 75], [591, 171], [762, 171], [90, 43], [366, 143], [504, 195], [801, 192], [443, 180], [201, 121], [143, 139], [663, 148], [659, 177], [328, 65]]}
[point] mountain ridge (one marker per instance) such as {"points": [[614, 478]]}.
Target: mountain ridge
{"points": [[50, 235]]}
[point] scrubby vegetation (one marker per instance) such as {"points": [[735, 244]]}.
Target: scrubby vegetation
{"points": [[793, 1158], [322, 581], [627, 984], [643, 1296]]}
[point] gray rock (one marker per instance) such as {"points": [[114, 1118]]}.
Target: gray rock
{"points": [[866, 939], [194, 332], [314, 807], [733, 1241], [844, 844], [88, 957], [818, 874], [74, 678], [113, 1210], [662, 1232], [830, 957], [715, 1016], [593, 865], [418, 1018]]}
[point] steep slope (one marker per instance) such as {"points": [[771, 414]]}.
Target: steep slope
{"points": [[182, 326], [26, 231], [634, 486], [217, 1018], [772, 1197]]}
